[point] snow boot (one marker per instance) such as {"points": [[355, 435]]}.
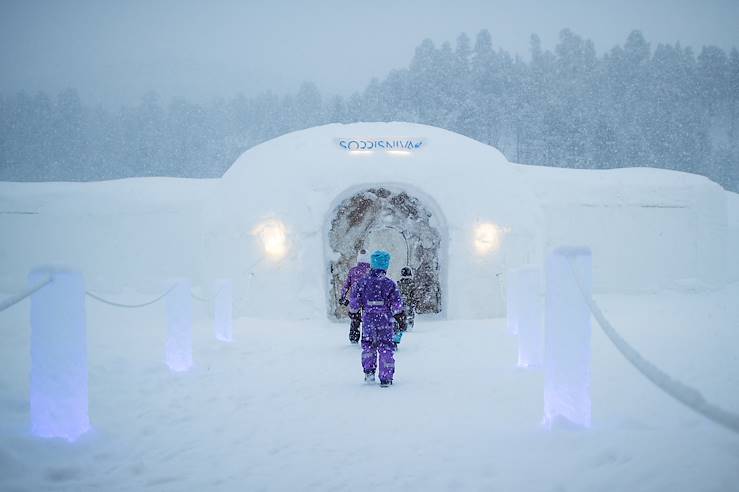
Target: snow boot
{"points": [[385, 384], [369, 377], [354, 333]]}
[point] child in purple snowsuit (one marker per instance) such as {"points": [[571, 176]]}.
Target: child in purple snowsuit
{"points": [[379, 299], [356, 273]]}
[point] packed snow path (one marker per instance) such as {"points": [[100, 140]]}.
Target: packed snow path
{"points": [[284, 407]]}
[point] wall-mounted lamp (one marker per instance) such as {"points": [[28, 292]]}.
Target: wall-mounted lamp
{"points": [[273, 235], [487, 238]]}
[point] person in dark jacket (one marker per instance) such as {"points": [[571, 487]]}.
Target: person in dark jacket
{"points": [[356, 273], [378, 299], [407, 287]]}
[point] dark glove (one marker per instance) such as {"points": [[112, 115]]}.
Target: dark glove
{"points": [[344, 301], [400, 318], [355, 316]]}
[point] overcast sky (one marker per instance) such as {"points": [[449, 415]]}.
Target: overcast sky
{"points": [[113, 51]]}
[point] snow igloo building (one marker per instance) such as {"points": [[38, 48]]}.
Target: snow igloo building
{"points": [[452, 209], [285, 223], [455, 211]]}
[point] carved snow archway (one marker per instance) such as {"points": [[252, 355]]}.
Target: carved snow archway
{"points": [[388, 217]]}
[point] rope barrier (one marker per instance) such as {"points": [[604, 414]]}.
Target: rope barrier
{"points": [[198, 298], [11, 301], [118, 304], [203, 299], [690, 397]]}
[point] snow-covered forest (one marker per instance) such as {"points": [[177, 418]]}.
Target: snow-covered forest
{"points": [[637, 104]]}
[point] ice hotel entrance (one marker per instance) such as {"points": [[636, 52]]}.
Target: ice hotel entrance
{"points": [[450, 208], [396, 220]]}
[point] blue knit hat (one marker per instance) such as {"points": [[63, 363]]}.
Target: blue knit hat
{"points": [[380, 260]]}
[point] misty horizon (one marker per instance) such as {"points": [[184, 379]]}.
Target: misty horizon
{"points": [[113, 53]]}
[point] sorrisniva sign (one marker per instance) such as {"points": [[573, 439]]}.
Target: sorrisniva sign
{"points": [[384, 144]]}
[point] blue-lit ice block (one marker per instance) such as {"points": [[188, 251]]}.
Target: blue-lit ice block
{"points": [[223, 310], [58, 392], [567, 338], [179, 330]]}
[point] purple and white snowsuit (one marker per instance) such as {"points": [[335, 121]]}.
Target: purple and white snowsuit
{"points": [[356, 274], [380, 300]]}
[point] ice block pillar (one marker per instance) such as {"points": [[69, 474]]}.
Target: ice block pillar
{"points": [[567, 339], [511, 300], [58, 391], [529, 315], [223, 310], [179, 332]]}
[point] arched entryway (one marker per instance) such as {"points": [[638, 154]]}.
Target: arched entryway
{"points": [[388, 217], [393, 241]]}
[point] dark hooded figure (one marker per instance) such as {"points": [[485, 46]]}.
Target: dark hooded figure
{"points": [[378, 300], [407, 287], [355, 275]]}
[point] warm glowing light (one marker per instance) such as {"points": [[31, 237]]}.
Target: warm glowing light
{"points": [[487, 238], [273, 235]]}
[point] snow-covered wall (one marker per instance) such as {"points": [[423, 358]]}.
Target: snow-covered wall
{"points": [[647, 228], [127, 233]]}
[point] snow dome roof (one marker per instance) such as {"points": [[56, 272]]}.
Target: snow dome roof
{"points": [[304, 173], [325, 147]]}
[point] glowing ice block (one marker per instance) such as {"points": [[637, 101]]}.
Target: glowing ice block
{"points": [[58, 391], [567, 339], [223, 310], [529, 313], [179, 333]]}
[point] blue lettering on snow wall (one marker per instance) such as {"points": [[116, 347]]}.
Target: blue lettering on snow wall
{"points": [[382, 144]]}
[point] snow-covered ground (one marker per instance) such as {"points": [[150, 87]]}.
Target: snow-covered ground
{"points": [[284, 408]]}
